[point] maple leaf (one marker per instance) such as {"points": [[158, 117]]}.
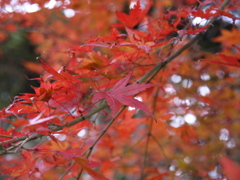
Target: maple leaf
{"points": [[60, 76], [135, 16], [114, 36], [85, 163], [44, 92], [225, 60], [120, 94], [229, 38], [26, 167]]}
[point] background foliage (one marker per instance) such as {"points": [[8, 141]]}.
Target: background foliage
{"points": [[127, 89]]}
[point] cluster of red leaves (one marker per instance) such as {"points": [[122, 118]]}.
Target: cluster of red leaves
{"points": [[109, 67]]}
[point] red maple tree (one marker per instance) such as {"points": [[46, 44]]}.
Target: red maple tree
{"points": [[125, 95]]}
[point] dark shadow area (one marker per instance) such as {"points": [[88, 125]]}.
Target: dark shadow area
{"points": [[13, 75]]}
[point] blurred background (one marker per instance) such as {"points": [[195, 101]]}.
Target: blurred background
{"points": [[14, 51]]}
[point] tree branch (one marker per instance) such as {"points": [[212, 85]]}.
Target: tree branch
{"points": [[153, 72], [55, 128]]}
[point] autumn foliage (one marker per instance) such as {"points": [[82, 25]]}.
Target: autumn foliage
{"points": [[126, 93]]}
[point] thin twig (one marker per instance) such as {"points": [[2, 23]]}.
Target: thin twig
{"points": [[83, 143], [149, 134], [20, 144], [90, 149], [64, 174], [161, 147], [124, 152], [104, 131]]}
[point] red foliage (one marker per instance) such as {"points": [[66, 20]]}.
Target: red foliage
{"points": [[135, 16], [77, 123], [119, 94]]}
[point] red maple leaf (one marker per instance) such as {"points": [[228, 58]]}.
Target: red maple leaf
{"points": [[86, 165], [225, 60], [60, 76], [135, 16], [120, 94]]}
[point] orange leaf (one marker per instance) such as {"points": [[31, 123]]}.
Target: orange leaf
{"points": [[229, 37], [90, 171], [225, 60], [33, 67]]}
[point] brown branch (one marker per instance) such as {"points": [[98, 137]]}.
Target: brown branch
{"points": [[55, 128], [10, 137]]}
